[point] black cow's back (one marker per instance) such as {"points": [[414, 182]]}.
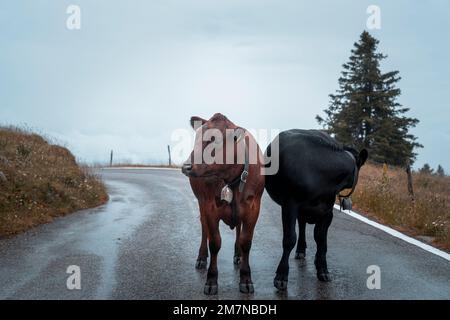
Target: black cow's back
{"points": [[312, 167]]}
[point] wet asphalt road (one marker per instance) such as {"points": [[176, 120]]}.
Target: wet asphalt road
{"points": [[143, 244]]}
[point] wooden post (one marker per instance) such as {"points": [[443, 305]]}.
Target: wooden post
{"points": [[111, 159], [170, 159], [410, 181]]}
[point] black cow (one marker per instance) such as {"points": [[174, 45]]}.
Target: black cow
{"points": [[313, 169]]}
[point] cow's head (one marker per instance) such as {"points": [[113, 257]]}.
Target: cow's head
{"points": [[217, 147]]}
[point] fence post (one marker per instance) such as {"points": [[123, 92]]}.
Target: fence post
{"points": [[170, 159], [111, 159], [410, 181]]}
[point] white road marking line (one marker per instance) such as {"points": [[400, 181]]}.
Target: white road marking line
{"points": [[139, 168], [396, 234]]}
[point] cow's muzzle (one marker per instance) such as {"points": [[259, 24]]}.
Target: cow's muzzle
{"points": [[186, 169]]}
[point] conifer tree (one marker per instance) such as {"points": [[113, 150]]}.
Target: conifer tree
{"points": [[440, 171], [426, 169], [364, 111]]}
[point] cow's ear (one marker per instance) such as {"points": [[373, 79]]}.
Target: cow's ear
{"points": [[363, 155], [197, 122]]}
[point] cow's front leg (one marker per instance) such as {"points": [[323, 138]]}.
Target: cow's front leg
{"points": [[320, 236], [288, 215], [300, 253], [202, 258], [245, 243], [215, 242], [237, 247]]}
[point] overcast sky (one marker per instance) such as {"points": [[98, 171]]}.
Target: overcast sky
{"points": [[137, 70]]}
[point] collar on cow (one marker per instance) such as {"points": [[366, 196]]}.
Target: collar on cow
{"points": [[355, 177], [242, 178]]}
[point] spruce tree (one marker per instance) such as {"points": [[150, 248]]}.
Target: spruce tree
{"points": [[440, 171], [426, 169], [364, 111]]}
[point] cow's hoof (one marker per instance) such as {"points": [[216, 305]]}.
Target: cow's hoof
{"points": [[236, 260], [201, 264], [280, 283], [300, 255], [246, 287], [210, 289], [324, 276]]}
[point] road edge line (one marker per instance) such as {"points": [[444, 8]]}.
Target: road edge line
{"points": [[396, 233]]}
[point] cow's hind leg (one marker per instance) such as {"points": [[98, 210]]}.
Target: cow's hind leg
{"points": [[288, 215], [320, 236], [202, 258], [237, 248], [245, 242], [215, 242], [300, 253]]}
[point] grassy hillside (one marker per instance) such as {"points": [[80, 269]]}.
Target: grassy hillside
{"points": [[382, 194], [39, 181]]}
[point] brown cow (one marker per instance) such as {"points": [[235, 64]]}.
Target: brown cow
{"points": [[245, 183]]}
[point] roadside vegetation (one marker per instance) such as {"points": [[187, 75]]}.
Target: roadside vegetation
{"points": [[365, 112], [40, 181], [382, 194]]}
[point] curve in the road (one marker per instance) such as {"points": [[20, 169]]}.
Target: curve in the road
{"points": [[143, 245]]}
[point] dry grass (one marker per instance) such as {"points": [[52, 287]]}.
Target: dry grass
{"points": [[43, 181], [382, 194]]}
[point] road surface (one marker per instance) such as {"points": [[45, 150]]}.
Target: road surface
{"points": [[143, 244]]}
